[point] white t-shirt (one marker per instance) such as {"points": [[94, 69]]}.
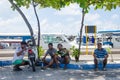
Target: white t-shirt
{"points": [[18, 57]]}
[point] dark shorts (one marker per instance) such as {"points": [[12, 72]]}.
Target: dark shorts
{"points": [[62, 60]]}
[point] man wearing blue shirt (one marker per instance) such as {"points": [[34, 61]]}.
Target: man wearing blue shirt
{"points": [[100, 54]]}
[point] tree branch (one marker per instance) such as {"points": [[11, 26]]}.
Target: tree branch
{"points": [[38, 22], [81, 29], [25, 19]]}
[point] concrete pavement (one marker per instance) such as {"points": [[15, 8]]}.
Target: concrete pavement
{"points": [[6, 73], [88, 58]]}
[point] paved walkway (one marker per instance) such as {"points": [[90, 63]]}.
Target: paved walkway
{"points": [[6, 73], [83, 58]]}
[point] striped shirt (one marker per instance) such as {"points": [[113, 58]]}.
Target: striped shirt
{"points": [[100, 53]]}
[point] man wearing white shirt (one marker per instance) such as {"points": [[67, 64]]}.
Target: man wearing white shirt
{"points": [[18, 57]]}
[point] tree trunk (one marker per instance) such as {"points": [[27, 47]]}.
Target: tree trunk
{"points": [[25, 19], [76, 58], [39, 32], [81, 29]]}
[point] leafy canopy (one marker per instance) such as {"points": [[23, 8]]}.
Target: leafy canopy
{"points": [[107, 4], [57, 4], [98, 4]]}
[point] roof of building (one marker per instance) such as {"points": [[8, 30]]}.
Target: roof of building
{"points": [[109, 31]]}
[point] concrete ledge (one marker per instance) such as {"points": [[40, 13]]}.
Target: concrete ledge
{"points": [[5, 63], [71, 66], [89, 66]]}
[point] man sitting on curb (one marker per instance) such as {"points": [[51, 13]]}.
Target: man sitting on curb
{"points": [[52, 52], [100, 54], [64, 55], [18, 57]]}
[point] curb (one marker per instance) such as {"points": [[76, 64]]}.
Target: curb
{"points": [[71, 66]]}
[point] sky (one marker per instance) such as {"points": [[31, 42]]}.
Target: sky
{"points": [[67, 20]]}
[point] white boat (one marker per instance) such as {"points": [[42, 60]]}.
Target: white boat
{"points": [[46, 38]]}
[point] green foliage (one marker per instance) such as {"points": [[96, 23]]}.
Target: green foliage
{"points": [[107, 4], [24, 3], [108, 50], [98, 4], [84, 4], [75, 51], [56, 4], [41, 51]]}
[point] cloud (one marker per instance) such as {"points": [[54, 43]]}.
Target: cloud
{"points": [[97, 22], [70, 19], [115, 16], [44, 21], [15, 24], [5, 5], [47, 27], [92, 17], [72, 9], [59, 27], [0, 19], [108, 25], [11, 21], [2, 2]]}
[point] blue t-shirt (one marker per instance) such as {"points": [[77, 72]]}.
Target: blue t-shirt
{"points": [[100, 53]]}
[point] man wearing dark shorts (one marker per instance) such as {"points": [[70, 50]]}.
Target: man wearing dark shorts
{"points": [[52, 52], [64, 55]]}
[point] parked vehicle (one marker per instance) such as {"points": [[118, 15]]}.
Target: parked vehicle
{"points": [[31, 56], [45, 38], [13, 38], [108, 43], [55, 38]]}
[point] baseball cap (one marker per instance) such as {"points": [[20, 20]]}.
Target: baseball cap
{"points": [[99, 43]]}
